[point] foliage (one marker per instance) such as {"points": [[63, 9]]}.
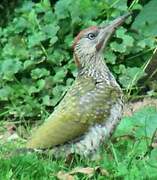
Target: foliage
{"points": [[36, 64], [6, 10], [129, 155], [144, 23]]}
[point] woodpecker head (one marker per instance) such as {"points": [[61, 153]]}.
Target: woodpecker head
{"points": [[93, 39]]}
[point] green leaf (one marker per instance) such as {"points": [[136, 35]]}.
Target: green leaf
{"points": [[141, 124], [125, 127], [10, 67], [57, 93], [36, 87], [110, 57], [46, 100], [152, 163], [5, 93], [43, 6], [137, 7], [59, 76], [121, 5], [68, 40], [39, 72], [32, 17], [56, 57], [118, 47], [61, 9], [146, 21], [127, 39], [50, 30], [36, 39], [41, 84], [28, 63], [131, 76], [53, 40]]}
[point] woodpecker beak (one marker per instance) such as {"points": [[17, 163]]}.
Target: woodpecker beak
{"points": [[108, 30]]}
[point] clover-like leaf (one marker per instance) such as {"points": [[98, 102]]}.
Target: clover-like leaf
{"points": [[131, 76], [39, 72]]}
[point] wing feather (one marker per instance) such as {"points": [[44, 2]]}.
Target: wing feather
{"points": [[83, 105]]}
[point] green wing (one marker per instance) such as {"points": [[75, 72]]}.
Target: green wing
{"points": [[83, 105]]}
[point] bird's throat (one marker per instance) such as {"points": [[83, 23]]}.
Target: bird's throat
{"points": [[93, 66]]}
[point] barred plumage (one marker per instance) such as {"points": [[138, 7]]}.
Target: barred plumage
{"points": [[92, 107]]}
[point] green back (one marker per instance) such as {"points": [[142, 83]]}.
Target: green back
{"points": [[85, 104]]}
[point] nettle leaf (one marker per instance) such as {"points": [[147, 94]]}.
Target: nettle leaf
{"points": [[145, 120], [83, 9], [33, 89], [119, 69], [110, 57], [59, 76], [120, 32], [126, 39], [39, 72], [148, 42], [146, 21], [8, 50], [61, 9], [131, 76], [121, 5], [20, 24], [41, 84], [57, 93], [36, 87], [50, 30], [69, 81], [137, 7], [28, 64], [125, 127], [35, 54], [50, 17], [43, 6], [5, 93], [118, 47], [32, 17], [53, 40], [69, 40], [73, 69], [56, 57], [78, 10], [15, 48], [36, 39], [26, 7], [152, 164], [10, 67], [141, 125], [46, 100]]}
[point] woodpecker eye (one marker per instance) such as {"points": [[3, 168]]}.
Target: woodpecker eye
{"points": [[91, 36]]}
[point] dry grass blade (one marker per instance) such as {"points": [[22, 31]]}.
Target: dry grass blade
{"points": [[61, 175], [87, 170], [90, 171]]}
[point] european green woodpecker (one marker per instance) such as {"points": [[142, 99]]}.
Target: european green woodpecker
{"points": [[92, 107]]}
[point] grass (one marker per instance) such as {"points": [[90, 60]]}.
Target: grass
{"points": [[128, 155]]}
